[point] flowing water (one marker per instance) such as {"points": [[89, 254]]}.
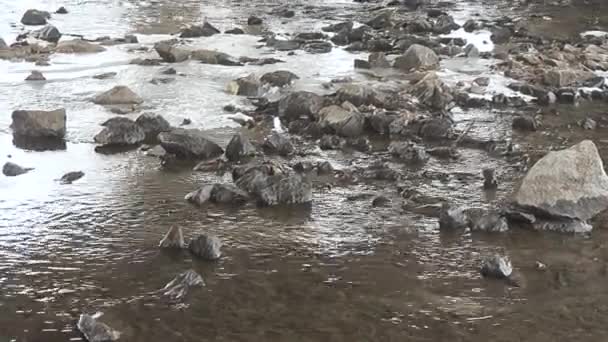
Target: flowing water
{"points": [[337, 271]]}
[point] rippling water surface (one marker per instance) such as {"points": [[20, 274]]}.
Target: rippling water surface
{"points": [[338, 271]]}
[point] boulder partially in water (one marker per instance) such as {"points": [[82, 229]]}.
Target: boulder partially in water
{"points": [[78, 46], [433, 92], [96, 331], [178, 288], [190, 144], [120, 131], [408, 151], [48, 33], [171, 53], [195, 31], [173, 239], [496, 266], [417, 57], [153, 125], [279, 78], [300, 104], [239, 148], [39, 123], [12, 170], [245, 86], [567, 184], [277, 143], [270, 185], [343, 120], [119, 95], [214, 57], [218, 194], [35, 17], [206, 246], [71, 177], [35, 76]]}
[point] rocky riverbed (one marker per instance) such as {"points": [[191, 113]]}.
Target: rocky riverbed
{"points": [[327, 170]]}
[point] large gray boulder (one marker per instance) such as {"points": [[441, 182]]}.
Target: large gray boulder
{"points": [[48, 33], [345, 121], [96, 331], [12, 170], [189, 144], [239, 148], [206, 247], [171, 53], [300, 104], [153, 125], [417, 57], [35, 17], [218, 194], [119, 95], [120, 131], [569, 184], [39, 123]]}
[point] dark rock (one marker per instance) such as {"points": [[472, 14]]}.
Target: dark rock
{"points": [[48, 33], [453, 218], [62, 10], [239, 148], [206, 247], [408, 152], [436, 128], [279, 78], [525, 123], [173, 239], [245, 86], [153, 125], [381, 21], [300, 104], [420, 25], [471, 51], [345, 121], [445, 24], [3, 45], [35, 76], [501, 35], [119, 95], [567, 95], [253, 20], [146, 62], [235, 30], [310, 36], [432, 92], [120, 131], [435, 13], [330, 142], [417, 57], [569, 184], [277, 143], [318, 47], [218, 194], [271, 188], [205, 30], [39, 124], [490, 222], [214, 57], [381, 120], [361, 64], [171, 53], [190, 144], [283, 12], [95, 331], [186, 122], [343, 26], [496, 266], [482, 81], [378, 60], [380, 201], [71, 177], [324, 168], [489, 179], [104, 76], [470, 25], [179, 287], [35, 17], [12, 170]]}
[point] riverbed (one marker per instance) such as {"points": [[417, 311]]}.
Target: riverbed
{"points": [[340, 270]]}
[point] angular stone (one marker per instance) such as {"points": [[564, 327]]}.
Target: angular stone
{"points": [[173, 239], [218, 194], [120, 131], [39, 124], [496, 266], [189, 144], [178, 288], [206, 247], [345, 121], [95, 331], [279, 78], [153, 125], [417, 57], [300, 104], [239, 148]]}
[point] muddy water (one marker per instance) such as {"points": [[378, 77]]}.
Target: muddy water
{"points": [[337, 271]]}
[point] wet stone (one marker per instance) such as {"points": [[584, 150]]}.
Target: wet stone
{"points": [[178, 288], [96, 331], [496, 266], [173, 239], [12, 170], [71, 177], [525, 123], [206, 247], [489, 179]]}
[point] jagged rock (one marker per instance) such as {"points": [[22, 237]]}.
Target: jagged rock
{"points": [[420, 25], [206, 247], [171, 53], [218, 194], [270, 188], [78, 46], [453, 218], [214, 57], [433, 92], [189, 144], [120, 131], [39, 123], [382, 20], [359, 95], [496, 266], [436, 128], [279, 78], [178, 288], [300, 104], [245, 86], [205, 30], [95, 331], [119, 95], [239, 148], [569, 184], [71, 177], [408, 152], [253, 20], [35, 17], [173, 239], [417, 57], [153, 125], [12, 170], [48, 33], [345, 121], [277, 143]]}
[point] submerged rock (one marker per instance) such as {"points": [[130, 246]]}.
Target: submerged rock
{"points": [[239, 148], [39, 123], [35, 17], [173, 239], [417, 57], [12, 170], [153, 125], [95, 331], [189, 144], [120, 131], [218, 194], [206, 247], [71, 177], [195, 31], [119, 95], [496, 266], [569, 184], [178, 288]]}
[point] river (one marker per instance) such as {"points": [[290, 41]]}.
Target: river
{"points": [[339, 271]]}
